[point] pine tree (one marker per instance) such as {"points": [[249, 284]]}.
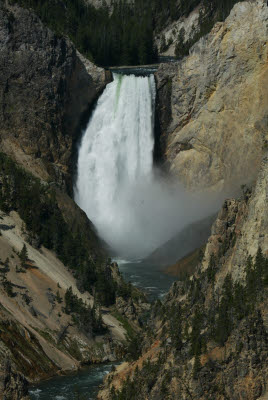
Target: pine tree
{"points": [[23, 255], [195, 336]]}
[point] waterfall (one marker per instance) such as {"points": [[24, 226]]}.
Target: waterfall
{"points": [[116, 155], [134, 210]]}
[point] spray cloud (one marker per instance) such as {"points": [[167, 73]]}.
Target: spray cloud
{"points": [[133, 207]]}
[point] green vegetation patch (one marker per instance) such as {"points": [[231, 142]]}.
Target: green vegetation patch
{"points": [[36, 203], [211, 12], [134, 339], [125, 36], [83, 315]]}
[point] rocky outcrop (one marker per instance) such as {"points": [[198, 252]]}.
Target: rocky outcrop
{"points": [[170, 34], [215, 133], [131, 309], [13, 386], [163, 112], [46, 88], [209, 339], [241, 228]]}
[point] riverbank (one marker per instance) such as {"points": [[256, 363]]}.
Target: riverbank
{"points": [[84, 383], [147, 277]]}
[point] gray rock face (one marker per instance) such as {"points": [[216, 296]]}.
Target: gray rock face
{"points": [[241, 228], [236, 369], [215, 133], [46, 88], [163, 77], [13, 386]]}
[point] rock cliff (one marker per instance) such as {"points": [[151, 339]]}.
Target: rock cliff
{"points": [[13, 386], [167, 39], [209, 338], [243, 225], [46, 88], [212, 104], [46, 91], [42, 333]]}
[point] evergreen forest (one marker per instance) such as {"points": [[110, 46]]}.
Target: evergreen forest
{"points": [[125, 35]]}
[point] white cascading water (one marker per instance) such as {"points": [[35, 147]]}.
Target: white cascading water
{"points": [[116, 154], [134, 210]]}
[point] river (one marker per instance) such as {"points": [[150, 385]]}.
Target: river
{"points": [[146, 276], [120, 190], [83, 385]]}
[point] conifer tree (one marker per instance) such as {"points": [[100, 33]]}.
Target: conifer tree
{"points": [[23, 255]]}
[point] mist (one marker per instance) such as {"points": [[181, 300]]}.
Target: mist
{"points": [[148, 213], [134, 207]]}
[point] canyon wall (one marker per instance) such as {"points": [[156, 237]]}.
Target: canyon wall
{"points": [[209, 337], [12, 384], [46, 88], [46, 91], [212, 104]]}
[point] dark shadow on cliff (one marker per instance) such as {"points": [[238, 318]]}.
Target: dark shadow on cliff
{"points": [[80, 130]]}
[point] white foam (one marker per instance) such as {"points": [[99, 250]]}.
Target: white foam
{"points": [[35, 392]]}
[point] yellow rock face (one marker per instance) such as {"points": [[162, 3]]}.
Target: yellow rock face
{"points": [[219, 103]]}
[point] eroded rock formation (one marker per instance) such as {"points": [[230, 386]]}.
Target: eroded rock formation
{"points": [[213, 116], [13, 386], [209, 338], [46, 87]]}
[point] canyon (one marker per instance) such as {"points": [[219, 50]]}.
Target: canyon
{"points": [[210, 138]]}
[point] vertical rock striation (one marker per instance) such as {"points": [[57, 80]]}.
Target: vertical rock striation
{"points": [[13, 386], [46, 87], [241, 228], [214, 135]]}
